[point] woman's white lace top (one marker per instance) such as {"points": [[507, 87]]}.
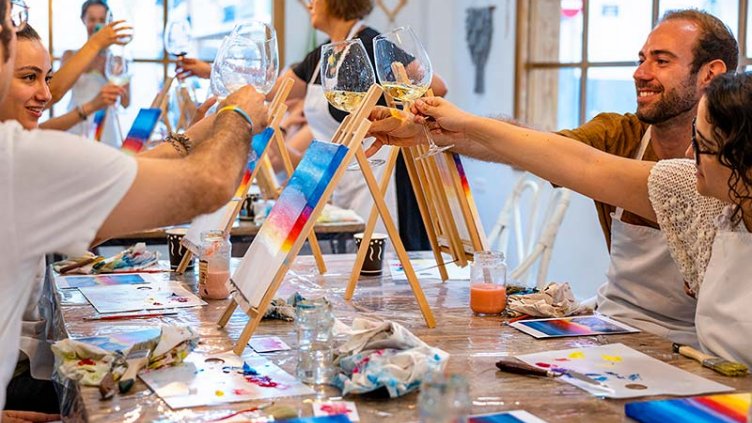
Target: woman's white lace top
{"points": [[688, 220]]}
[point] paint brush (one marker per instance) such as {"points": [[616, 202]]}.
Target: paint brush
{"points": [[720, 365], [136, 360], [515, 365]]}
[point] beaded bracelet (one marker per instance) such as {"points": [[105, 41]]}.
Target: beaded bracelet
{"points": [[180, 142], [239, 111]]}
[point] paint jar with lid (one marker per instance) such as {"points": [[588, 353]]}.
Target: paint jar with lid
{"points": [[444, 398], [314, 322], [214, 265], [488, 277]]}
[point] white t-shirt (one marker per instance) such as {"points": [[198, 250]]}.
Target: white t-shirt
{"points": [[55, 193]]}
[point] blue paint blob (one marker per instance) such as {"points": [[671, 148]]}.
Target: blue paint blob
{"points": [[248, 370]]}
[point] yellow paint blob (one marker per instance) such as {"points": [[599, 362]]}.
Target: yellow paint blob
{"points": [[219, 393], [577, 355], [611, 358]]}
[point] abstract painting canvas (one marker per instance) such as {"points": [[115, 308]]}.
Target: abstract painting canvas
{"points": [[617, 371], [219, 220], [222, 378], [272, 246], [728, 408], [141, 130], [515, 416], [98, 124], [157, 296], [82, 281], [572, 326]]}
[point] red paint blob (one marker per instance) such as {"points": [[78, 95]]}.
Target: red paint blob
{"points": [[262, 381], [544, 365], [86, 362]]}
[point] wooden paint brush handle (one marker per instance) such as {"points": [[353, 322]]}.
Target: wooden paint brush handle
{"points": [[514, 365], [692, 353]]}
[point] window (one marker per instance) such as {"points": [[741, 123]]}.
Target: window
{"points": [[575, 58], [60, 27]]}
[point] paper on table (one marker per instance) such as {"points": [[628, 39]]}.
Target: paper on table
{"points": [[427, 269], [222, 378], [156, 296], [625, 372], [572, 326], [82, 281]]}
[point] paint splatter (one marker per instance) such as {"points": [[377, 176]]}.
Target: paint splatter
{"points": [[577, 355], [597, 376], [611, 358], [219, 393], [86, 362], [332, 409], [242, 392], [561, 359], [544, 365], [262, 381], [248, 370]]}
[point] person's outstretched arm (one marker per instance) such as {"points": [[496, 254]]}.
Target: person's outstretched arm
{"points": [[107, 96], [74, 64], [603, 177]]}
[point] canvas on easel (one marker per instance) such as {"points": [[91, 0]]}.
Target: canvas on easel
{"points": [[445, 203], [277, 244], [223, 218], [141, 131]]}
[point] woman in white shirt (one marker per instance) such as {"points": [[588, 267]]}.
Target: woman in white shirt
{"points": [[702, 205]]}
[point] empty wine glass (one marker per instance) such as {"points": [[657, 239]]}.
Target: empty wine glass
{"points": [[405, 71], [125, 39], [346, 77], [245, 57], [177, 37]]}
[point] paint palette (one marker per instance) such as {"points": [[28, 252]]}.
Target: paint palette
{"points": [[157, 296], [83, 281], [572, 326], [221, 378], [514, 416], [730, 408], [617, 371]]}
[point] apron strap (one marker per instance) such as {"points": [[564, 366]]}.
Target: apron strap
{"points": [[637, 156]]}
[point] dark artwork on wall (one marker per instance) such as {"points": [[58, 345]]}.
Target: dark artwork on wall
{"points": [[478, 34]]}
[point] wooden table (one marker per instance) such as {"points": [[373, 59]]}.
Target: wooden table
{"points": [[339, 233], [475, 344]]}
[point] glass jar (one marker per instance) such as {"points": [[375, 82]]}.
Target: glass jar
{"points": [[444, 398], [214, 265], [488, 278], [314, 322]]}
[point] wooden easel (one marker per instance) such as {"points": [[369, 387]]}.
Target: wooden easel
{"points": [[161, 101], [350, 133], [434, 205], [277, 109]]}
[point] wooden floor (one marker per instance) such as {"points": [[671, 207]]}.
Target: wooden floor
{"points": [[475, 344]]}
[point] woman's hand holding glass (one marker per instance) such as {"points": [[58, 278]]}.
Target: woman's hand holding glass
{"points": [[113, 33]]}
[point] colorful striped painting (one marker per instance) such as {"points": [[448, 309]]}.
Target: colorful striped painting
{"points": [[729, 408], [98, 125], [83, 281], [453, 197], [141, 130], [515, 416], [463, 177], [272, 247], [258, 146], [571, 326]]}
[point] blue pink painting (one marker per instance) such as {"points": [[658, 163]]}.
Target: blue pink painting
{"points": [[272, 247], [258, 146], [730, 408], [141, 130], [123, 341], [572, 326], [516, 416]]}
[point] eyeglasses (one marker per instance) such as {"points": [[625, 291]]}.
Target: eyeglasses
{"points": [[696, 145], [19, 14]]}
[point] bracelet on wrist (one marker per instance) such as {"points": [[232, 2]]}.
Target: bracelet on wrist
{"points": [[239, 111], [180, 142], [81, 113]]}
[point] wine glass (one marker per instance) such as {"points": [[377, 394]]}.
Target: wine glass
{"points": [[177, 37], [245, 57], [126, 38], [404, 71], [346, 77], [118, 68]]}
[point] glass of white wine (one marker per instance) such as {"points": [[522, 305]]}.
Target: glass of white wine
{"points": [[346, 77], [405, 71]]}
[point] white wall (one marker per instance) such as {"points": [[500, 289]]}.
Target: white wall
{"points": [[580, 255]]}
